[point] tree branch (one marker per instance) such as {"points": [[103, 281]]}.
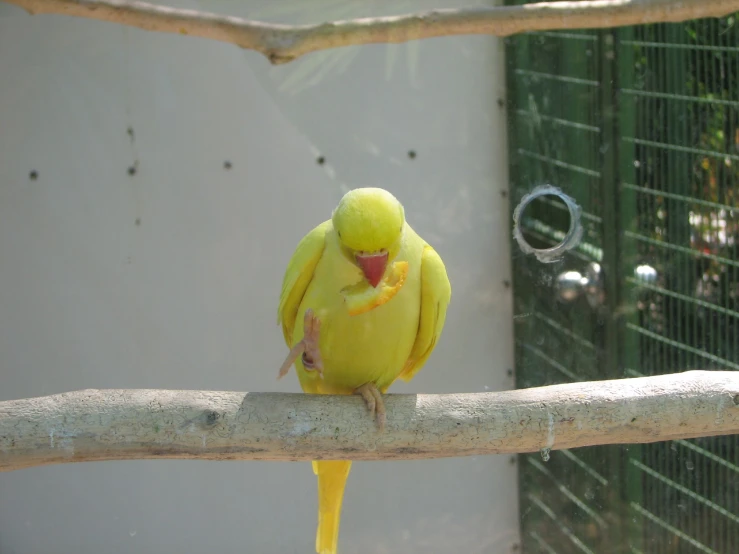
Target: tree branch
{"points": [[284, 43], [95, 425]]}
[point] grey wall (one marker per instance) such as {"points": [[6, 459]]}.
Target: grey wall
{"points": [[169, 278]]}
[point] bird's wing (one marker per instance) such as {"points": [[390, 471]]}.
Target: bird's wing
{"points": [[436, 293], [298, 276]]}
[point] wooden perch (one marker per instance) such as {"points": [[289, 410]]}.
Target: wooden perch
{"points": [[95, 425], [283, 43]]}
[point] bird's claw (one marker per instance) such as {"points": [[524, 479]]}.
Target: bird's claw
{"points": [[308, 348], [375, 404], [312, 360]]}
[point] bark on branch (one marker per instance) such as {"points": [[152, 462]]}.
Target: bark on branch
{"points": [[283, 43], [95, 425]]}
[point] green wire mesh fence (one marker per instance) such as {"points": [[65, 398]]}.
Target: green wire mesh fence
{"points": [[641, 126]]}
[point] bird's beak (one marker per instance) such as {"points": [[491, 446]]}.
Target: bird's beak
{"points": [[373, 266]]}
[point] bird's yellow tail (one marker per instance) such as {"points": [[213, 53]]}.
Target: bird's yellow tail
{"points": [[331, 480]]}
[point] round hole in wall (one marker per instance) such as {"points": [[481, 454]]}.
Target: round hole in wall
{"points": [[548, 212]]}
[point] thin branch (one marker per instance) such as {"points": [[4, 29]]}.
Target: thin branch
{"points": [[284, 43], [95, 425]]}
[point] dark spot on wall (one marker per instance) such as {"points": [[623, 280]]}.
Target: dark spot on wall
{"points": [[412, 154], [33, 175], [320, 160], [227, 165]]}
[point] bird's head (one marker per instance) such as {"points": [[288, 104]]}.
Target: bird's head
{"points": [[370, 224]]}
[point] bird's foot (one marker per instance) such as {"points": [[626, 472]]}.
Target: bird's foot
{"points": [[312, 360], [308, 347], [375, 404]]}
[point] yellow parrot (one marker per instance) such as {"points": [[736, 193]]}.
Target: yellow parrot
{"points": [[363, 303]]}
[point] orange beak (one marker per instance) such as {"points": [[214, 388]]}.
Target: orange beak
{"points": [[373, 266]]}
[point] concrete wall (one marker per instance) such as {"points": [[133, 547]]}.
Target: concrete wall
{"points": [[169, 278]]}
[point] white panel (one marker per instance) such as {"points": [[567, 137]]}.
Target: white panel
{"points": [[169, 278]]}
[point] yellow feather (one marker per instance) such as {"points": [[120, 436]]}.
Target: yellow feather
{"points": [[298, 276], [376, 337], [436, 293], [331, 480]]}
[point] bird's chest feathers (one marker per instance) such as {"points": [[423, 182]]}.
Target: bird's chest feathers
{"points": [[365, 341]]}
